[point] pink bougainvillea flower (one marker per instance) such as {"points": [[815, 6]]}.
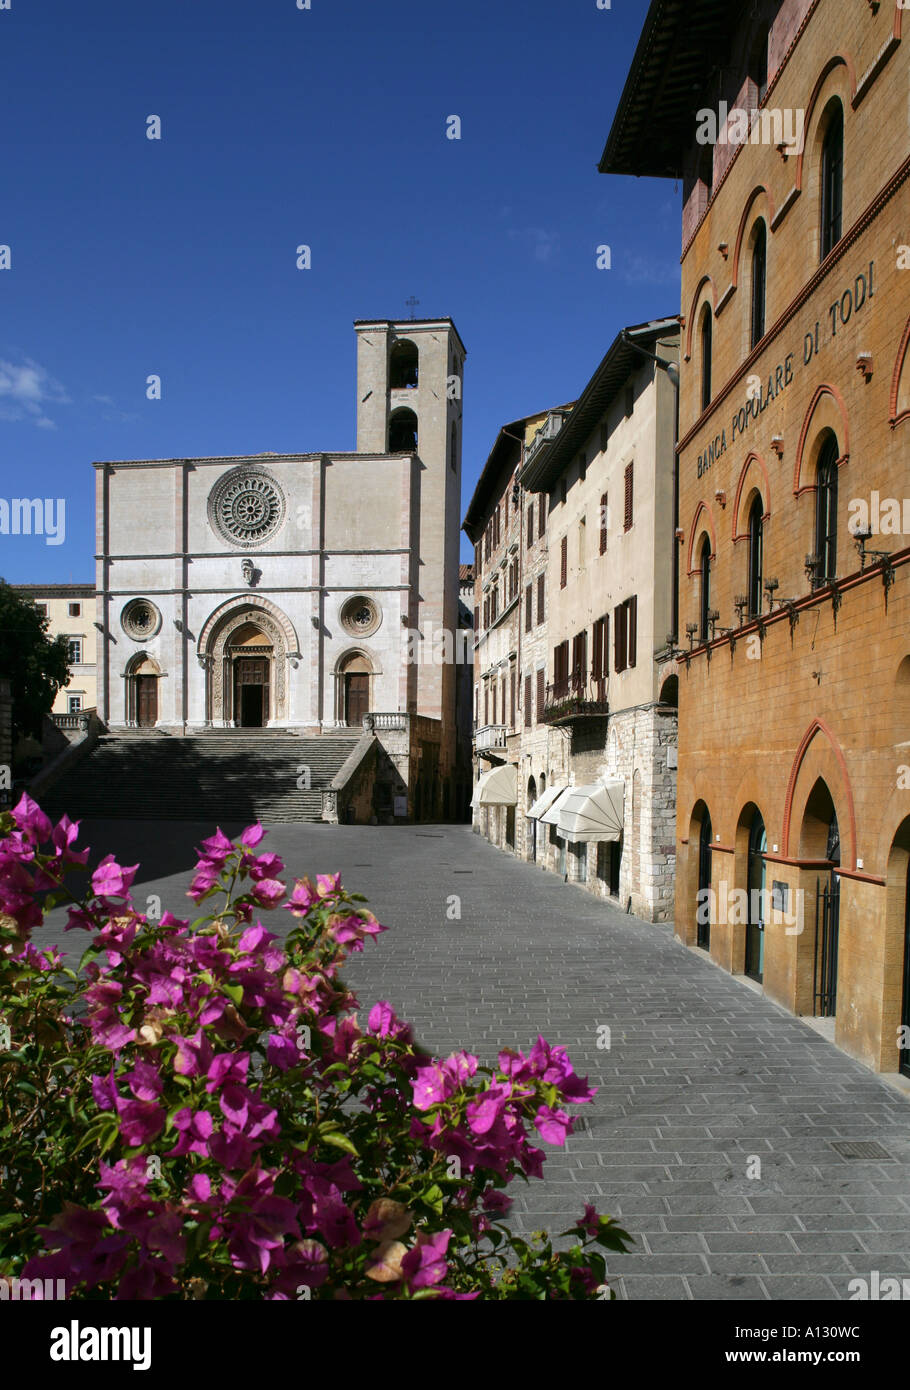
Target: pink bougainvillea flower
{"points": [[494, 1199], [552, 1065], [268, 892], [252, 835], [263, 865], [483, 1112], [590, 1221], [439, 1080], [194, 1054], [112, 880], [217, 848], [140, 1121], [302, 898], [425, 1263], [328, 884], [553, 1125], [65, 834], [195, 1129], [283, 1053], [31, 820]]}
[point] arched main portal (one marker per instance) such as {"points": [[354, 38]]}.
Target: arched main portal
{"points": [[250, 653], [245, 648]]}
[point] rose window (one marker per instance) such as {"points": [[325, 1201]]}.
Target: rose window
{"points": [[246, 507], [140, 619], [360, 616]]}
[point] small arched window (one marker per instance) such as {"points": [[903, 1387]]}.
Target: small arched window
{"points": [[705, 357], [759, 268], [704, 566], [403, 432], [403, 366], [832, 181], [755, 557], [826, 511]]}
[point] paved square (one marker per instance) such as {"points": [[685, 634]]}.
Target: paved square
{"points": [[703, 1076]]}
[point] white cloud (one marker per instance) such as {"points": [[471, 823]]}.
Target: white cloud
{"points": [[543, 243], [26, 391], [649, 270]]}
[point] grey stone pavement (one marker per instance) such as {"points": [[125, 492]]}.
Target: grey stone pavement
{"points": [[703, 1074]]}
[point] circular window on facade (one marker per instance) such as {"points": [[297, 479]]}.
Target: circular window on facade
{"points": [[140, 619], [246, 507], [360, 617]]}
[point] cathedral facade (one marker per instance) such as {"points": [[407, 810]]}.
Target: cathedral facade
{"points": [[294, 591]]}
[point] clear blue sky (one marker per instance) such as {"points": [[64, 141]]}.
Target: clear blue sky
{"points": [[283, 126]]}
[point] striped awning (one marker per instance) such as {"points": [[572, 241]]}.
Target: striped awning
{"points": [[545, 801], [498, 787], [591, 813]]}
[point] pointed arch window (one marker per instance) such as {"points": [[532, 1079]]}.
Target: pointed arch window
{"points": [[759, 276], [832, 181], [756, 543], [706, 334], [826, 511]]}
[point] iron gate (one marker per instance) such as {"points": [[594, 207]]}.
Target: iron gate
{"points": [[827, 916]]}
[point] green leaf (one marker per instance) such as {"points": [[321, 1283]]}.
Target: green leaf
{"points": [[340, 1141], [234, 992]]}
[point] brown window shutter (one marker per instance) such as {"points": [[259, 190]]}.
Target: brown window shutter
{"points": [[541, 581], [597, 637], [541, 693], [563, 561], [619, 638], [605, 669], [527, 702], [512, 699], [627, 522], [493, 684], [529, 605], [541, 517], [530, 525], [476, 618], [486, 704], [633, 628], [603, 524]]}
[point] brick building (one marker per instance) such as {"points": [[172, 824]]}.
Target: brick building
{"points": [[786, 123]]}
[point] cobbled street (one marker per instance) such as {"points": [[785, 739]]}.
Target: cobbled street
{"points": [[702, 1075]]}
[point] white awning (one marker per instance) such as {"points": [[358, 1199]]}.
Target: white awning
{"points": [[550, 815], [498, 787], [544, 801], [587, 814]]}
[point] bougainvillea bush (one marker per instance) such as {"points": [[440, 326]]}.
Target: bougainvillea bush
{"points": [[198, 1112]]}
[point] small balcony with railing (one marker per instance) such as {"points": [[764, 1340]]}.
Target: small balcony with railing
{"points": [[575, 696], [491, 738]]}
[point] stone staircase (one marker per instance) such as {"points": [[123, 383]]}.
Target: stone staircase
{"points": [[225, 775]]}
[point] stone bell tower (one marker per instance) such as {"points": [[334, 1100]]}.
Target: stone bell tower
{"points": [[409, 399]]}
